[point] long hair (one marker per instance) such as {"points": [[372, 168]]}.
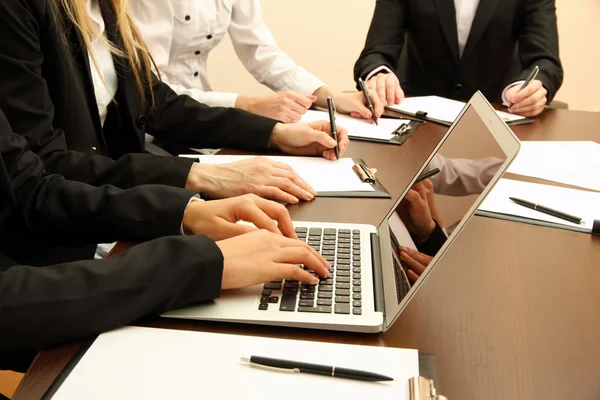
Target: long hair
{"points": [[134, 48]]}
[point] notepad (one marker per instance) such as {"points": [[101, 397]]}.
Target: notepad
{"points": [[157, 364], [571, 201], [321, 174], [572, 163], [359, 128], [440, 109]]}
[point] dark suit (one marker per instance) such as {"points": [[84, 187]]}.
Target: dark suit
{"points": [[418, 40], [48, 97], [43, 306]]}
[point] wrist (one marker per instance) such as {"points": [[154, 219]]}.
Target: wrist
{"points": [[275, 135], [244, 103], [201, 179], [190, 216]]}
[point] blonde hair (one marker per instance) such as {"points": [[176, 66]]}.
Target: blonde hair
{"points": [[134, 48]]}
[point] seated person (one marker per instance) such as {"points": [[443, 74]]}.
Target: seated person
{"points": [[180, 35], [454, 48], [51, 304]]}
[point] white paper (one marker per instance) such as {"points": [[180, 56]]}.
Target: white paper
{"points": [[441, 109], [321, 174], [572, 163], [571, 201], [359, 128], [146, 363]]}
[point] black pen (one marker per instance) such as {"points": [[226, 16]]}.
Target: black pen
{"points": [[532, 75], [363, 87], [549, 211], [331, 109], [306, 368], [427, 174]]}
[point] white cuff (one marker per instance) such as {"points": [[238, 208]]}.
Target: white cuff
{"points": [[195, 198], [376, 70], [504, 99], [214, 99]]}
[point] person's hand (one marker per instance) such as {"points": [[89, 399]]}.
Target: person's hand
{"points": [[312, 139], [258, 175], [415, 261], [263, 256], [283, 106], [528, 102], [415, 212], [355, 104], [217, 218], [387, 87]]}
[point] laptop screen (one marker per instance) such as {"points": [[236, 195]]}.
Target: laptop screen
{"points": [[432, 212]]}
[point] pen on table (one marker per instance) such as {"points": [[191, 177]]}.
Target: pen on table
{"points": [[331, 110], [363, 87], [549, 211], [307, 368], [428, 174], [532, 75]]}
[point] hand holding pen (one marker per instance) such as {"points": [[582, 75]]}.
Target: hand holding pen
{"points": [[363, 88], [529, 98]]}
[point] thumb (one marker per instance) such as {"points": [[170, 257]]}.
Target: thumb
{"points": [[363, 111], [315, 136], [312, 98]]}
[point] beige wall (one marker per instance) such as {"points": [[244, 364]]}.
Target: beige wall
{"points": [[303, 29]]}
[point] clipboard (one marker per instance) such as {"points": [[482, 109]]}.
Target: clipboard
{"points": [[422, 387], [424, 116], [366, 175], [401, 134]]}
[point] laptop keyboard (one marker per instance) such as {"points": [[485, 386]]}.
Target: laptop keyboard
{"points": [[341, 293]]}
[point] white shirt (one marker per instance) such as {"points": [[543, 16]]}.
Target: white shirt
{"points": [[180, 35], [105, 80]]}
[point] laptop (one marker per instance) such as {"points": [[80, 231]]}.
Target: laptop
{"points": [[370, 283]]}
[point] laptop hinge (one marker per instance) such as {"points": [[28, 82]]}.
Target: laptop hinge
{"points": [[377, 273]]}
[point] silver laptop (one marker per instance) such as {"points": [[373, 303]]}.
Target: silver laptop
{"points": [[371, 283]]}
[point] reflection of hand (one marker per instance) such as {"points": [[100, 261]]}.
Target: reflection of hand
{"points": [[312, 139], [263, 256], [415, 261], [415, 210]]}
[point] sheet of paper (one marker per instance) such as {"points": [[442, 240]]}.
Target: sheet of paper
{"points": [[156, 364], [359, 128], [323, 175], [440, 108], [571, 201], [572, 163]]}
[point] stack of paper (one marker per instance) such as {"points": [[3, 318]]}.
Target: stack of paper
{"points": [[321, 174], [572, 163], [578, 203], [359, 128], [145, 363], [440, 109]]}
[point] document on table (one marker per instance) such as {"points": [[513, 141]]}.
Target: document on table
{"points": [[360, 128], [441, 109], [156, 364], [572, 163], [323, 175], [571, 201]]}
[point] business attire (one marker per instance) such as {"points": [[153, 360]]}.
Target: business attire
{"points": [[454, 48], [48, 94], [180, 35], [46, 305], [462, 176]]}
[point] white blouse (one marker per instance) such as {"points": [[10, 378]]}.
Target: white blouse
{"points": [[180, 35]]}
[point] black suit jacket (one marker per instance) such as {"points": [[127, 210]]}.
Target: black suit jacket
{"points": [[47, 95], [43, 306], [418, 40]]}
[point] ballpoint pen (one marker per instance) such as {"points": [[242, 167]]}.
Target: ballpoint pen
{"points": [[276, 364], [331, 110], [428, 174], [549, 211], [363, 87], [532, 75]]}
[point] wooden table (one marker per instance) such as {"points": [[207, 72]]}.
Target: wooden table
{"points": [[511, 312]]}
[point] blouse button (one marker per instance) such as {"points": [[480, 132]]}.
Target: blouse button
{"points": [[209, 37], [187, 17]]}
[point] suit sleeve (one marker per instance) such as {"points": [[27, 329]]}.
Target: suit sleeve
{"points": [[184, 121], [25, 99], [434, 242], [45, 306], [538, 45], [385, 39]]}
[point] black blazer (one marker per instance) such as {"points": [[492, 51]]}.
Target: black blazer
{"points": [[47, 94], [43, 306], [418, 40]]}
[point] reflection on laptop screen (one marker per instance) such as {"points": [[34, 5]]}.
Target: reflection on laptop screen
{"points": [[427, 215]]}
